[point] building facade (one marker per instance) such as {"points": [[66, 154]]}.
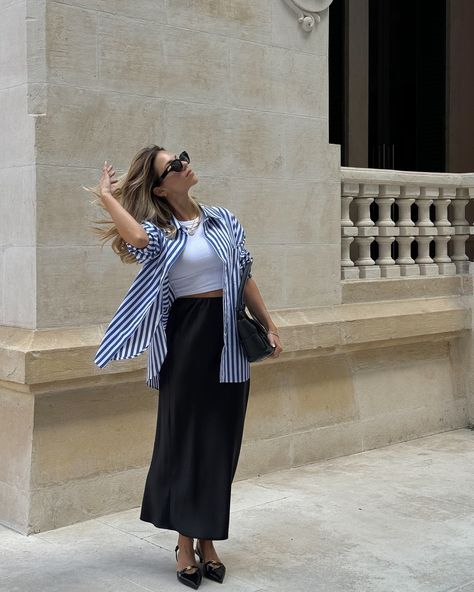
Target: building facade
{"points": [[377, 347]]}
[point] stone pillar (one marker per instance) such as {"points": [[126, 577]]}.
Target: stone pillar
{"points": [[357, 99], [460, 124], [17, 174], [17, 255]]}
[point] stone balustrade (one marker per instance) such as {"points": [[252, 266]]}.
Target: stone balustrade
{"points": [[404, 224]]}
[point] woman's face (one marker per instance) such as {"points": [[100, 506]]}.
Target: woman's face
{"points": [[175, 181]]}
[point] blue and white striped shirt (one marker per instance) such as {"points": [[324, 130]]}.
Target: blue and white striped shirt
{"points": [[140, 321]]}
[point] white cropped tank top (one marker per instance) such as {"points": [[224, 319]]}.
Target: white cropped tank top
{"points": [[198, 268]]}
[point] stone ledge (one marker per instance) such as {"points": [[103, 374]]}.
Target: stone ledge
{"points": [[394, 176], [48, 357], [368, 290]]}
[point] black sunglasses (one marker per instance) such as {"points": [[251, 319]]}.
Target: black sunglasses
{"points": [[174, 165]]}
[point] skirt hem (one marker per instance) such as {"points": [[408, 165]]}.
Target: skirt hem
{"points": [[192, 536]]}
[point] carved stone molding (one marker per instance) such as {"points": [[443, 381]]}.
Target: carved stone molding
{"points": [[308, 11]]}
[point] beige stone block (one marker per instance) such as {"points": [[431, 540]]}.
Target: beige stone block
{"points": [[36, 17], [89, 295], [204, 131], [227, 142], [255, 141], [17, 129], [19, 286], [269, 412], [382, 430], [17, 207], [262, 456], [212, 190], [267, 271], [65, 211], [85, 128], [396, 379], [15, 504], [143, 58], [287, 32], [403, 288], [460, 354], [81, 433], [314, 282], [71, 38], [307, 152], [331, 441], [304, 342], [14, 343], [245, 19], [12, 44], [408, 179], [285, 282], [294, 211], [298, 395], [320, 392], [78, 500], [307, 88], [440, 319], [277, 79], [147, 10], [16, 409], [251, 83], [16, 424]]}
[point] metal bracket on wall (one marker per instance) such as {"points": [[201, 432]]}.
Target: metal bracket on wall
{"points": [[308, 11]]}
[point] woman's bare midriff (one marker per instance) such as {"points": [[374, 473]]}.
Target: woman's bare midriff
{"points": [[211, 294]]}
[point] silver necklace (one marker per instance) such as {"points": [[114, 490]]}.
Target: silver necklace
{"points": [[194, 226]]}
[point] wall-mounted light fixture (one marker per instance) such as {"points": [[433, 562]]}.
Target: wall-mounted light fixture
{"points": [[308, 11]]}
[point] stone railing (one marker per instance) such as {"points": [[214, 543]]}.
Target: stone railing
{"points": [[401, 223]]}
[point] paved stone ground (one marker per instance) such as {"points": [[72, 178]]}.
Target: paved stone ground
{"points": [[393, 519]]}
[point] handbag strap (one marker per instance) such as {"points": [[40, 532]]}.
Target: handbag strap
{"points": [[240, 295]]}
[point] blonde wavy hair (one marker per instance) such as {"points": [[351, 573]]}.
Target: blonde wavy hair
{"points": [[133, 191]]}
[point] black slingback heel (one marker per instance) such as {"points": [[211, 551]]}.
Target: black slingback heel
{"points": [[190, 578], [214, 570]]}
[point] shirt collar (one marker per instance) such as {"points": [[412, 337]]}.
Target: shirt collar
{"points": [[207, 211]]}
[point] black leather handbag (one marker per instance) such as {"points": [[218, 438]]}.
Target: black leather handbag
{"points": [[252, 333]]}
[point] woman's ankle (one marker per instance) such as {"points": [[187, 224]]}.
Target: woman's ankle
{"points": [[185, 542]]}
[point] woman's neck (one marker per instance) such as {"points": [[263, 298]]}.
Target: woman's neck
{"points": [[185, 214]]}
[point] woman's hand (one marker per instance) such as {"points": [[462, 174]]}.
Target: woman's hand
{"points": [[106, 180], [274, 340]]}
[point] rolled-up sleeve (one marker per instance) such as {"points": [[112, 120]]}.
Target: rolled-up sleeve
{"points": [[244, 255], [154, 246]]}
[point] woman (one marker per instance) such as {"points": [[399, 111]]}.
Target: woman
{"points": [[181, 306]]}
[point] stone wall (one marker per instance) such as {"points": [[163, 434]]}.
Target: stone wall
{"points": [[238, 85]]}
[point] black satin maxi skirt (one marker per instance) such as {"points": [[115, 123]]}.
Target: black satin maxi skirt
{"points": [[199, 426]]}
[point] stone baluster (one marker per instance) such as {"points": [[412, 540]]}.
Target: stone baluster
{"points": [[445, 231], [387, 230], [461, 230], [426, 231], [349, 271], [407, 230], [366, 231]]}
